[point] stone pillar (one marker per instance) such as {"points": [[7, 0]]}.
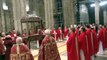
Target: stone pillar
{"points": [[2, 21], [97, 9], [105, 16], [39, 8], [84, 14], [18, 12], [49, 20], [69, 12]]}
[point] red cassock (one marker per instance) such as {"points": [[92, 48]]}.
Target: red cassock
{"points": [[8, 43], [95, 41], [48, 49], [101, 37], [90, 42], [21, 52], [84, 46], [106, 38], [73, 47], [66, 32], [59, 33], [105, 35], [77, 32]]}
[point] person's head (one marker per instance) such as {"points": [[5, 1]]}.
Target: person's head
{"points": [[72, 30], [105, 26], [59, 27], [8, 37], [83, 29], [93, 27], [78, 27], [100, 26], [65, 27], [3, 34], [75, 26], [47, 32], [71, 26], [19, 40], [87, 26]]}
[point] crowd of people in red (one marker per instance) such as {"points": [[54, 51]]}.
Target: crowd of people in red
{"points": [[13, 47], [86, 41], [83, 42]]}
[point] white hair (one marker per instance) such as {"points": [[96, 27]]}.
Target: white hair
{"points": [[47, 31], [75, 26], [18, 40]]}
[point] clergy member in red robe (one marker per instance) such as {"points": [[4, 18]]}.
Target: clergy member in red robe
{"points": [[77, 31], [101, 41], [13, 35], [54, 33], [8, 43], [105, 35], [48, 49], [72, 46], [59, 34], [65, 32], [90, 40], [95, 40], [20, 51], [83, 44]]}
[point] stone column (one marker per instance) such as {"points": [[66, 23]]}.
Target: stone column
{"points": [[97, 9], [39, 8], [69, 13], [2, 21], [18, 12], [84, 14], [49, 20], [105, 16]]}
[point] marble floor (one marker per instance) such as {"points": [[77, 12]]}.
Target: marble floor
{"points": [[98, 57], [63, 53], [64, 57]]}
